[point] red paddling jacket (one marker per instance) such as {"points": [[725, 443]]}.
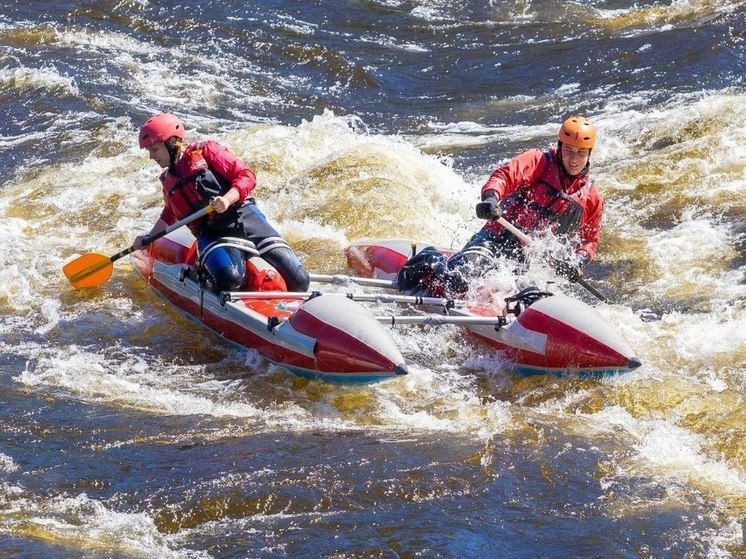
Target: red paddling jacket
{"points": [[205, 169], [537, 194]]}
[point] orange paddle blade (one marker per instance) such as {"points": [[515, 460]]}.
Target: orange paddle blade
{"points": [[89, 270]]}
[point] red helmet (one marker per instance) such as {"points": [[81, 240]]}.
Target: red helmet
{"points": [[578, 131], [160, 128]]}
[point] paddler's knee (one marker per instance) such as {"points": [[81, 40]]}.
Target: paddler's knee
{"points": [[286, 262], [420, 269], [298, 280], [226, 278], [224, 269]]}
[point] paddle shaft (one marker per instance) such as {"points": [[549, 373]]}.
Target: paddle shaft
{"points": [[150, 238], [526, 239]]}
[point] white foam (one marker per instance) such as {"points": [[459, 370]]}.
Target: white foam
{"points": [[694, 256], [46, 77], [283, 21], [130, 383], [7, 464], [118, 43], [673, 450], [392, 43], [340, 148], [431, 13], [86, 523], [441, 399]]}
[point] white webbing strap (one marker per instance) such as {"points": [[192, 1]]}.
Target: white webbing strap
{"points": [[271, 243], [230, 242]]}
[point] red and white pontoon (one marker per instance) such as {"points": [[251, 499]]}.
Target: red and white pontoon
{"points": [[540, 332], [328, 338]]}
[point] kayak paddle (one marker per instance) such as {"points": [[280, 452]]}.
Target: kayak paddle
{"points": [[526, 239], [93, 269]]}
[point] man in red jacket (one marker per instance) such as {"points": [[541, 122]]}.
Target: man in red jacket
{"points": [[205, 173], [536, 192]]}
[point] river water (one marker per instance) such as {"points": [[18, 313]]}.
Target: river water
{"points": [[129, 431]]}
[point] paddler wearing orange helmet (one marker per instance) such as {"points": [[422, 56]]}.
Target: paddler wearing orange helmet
{"points": [[535, 191], [202, 173]]}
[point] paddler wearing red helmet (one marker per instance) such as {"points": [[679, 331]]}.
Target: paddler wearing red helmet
{"points": [[201, 173], [535, 191]]}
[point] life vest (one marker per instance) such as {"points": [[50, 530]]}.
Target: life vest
{"points": [[191, 189], [543, 205]]}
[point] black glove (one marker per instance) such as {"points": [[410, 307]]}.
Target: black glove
{"points": [[419, 268], [571, 270], [488, 208], [141, 241], [567, 270]]}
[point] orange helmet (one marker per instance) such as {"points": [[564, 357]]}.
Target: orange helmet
{"points": [[160, 128], [578, 131]]}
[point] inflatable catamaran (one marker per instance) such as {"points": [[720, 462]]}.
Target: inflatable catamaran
{"points": [[335, 337]]}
